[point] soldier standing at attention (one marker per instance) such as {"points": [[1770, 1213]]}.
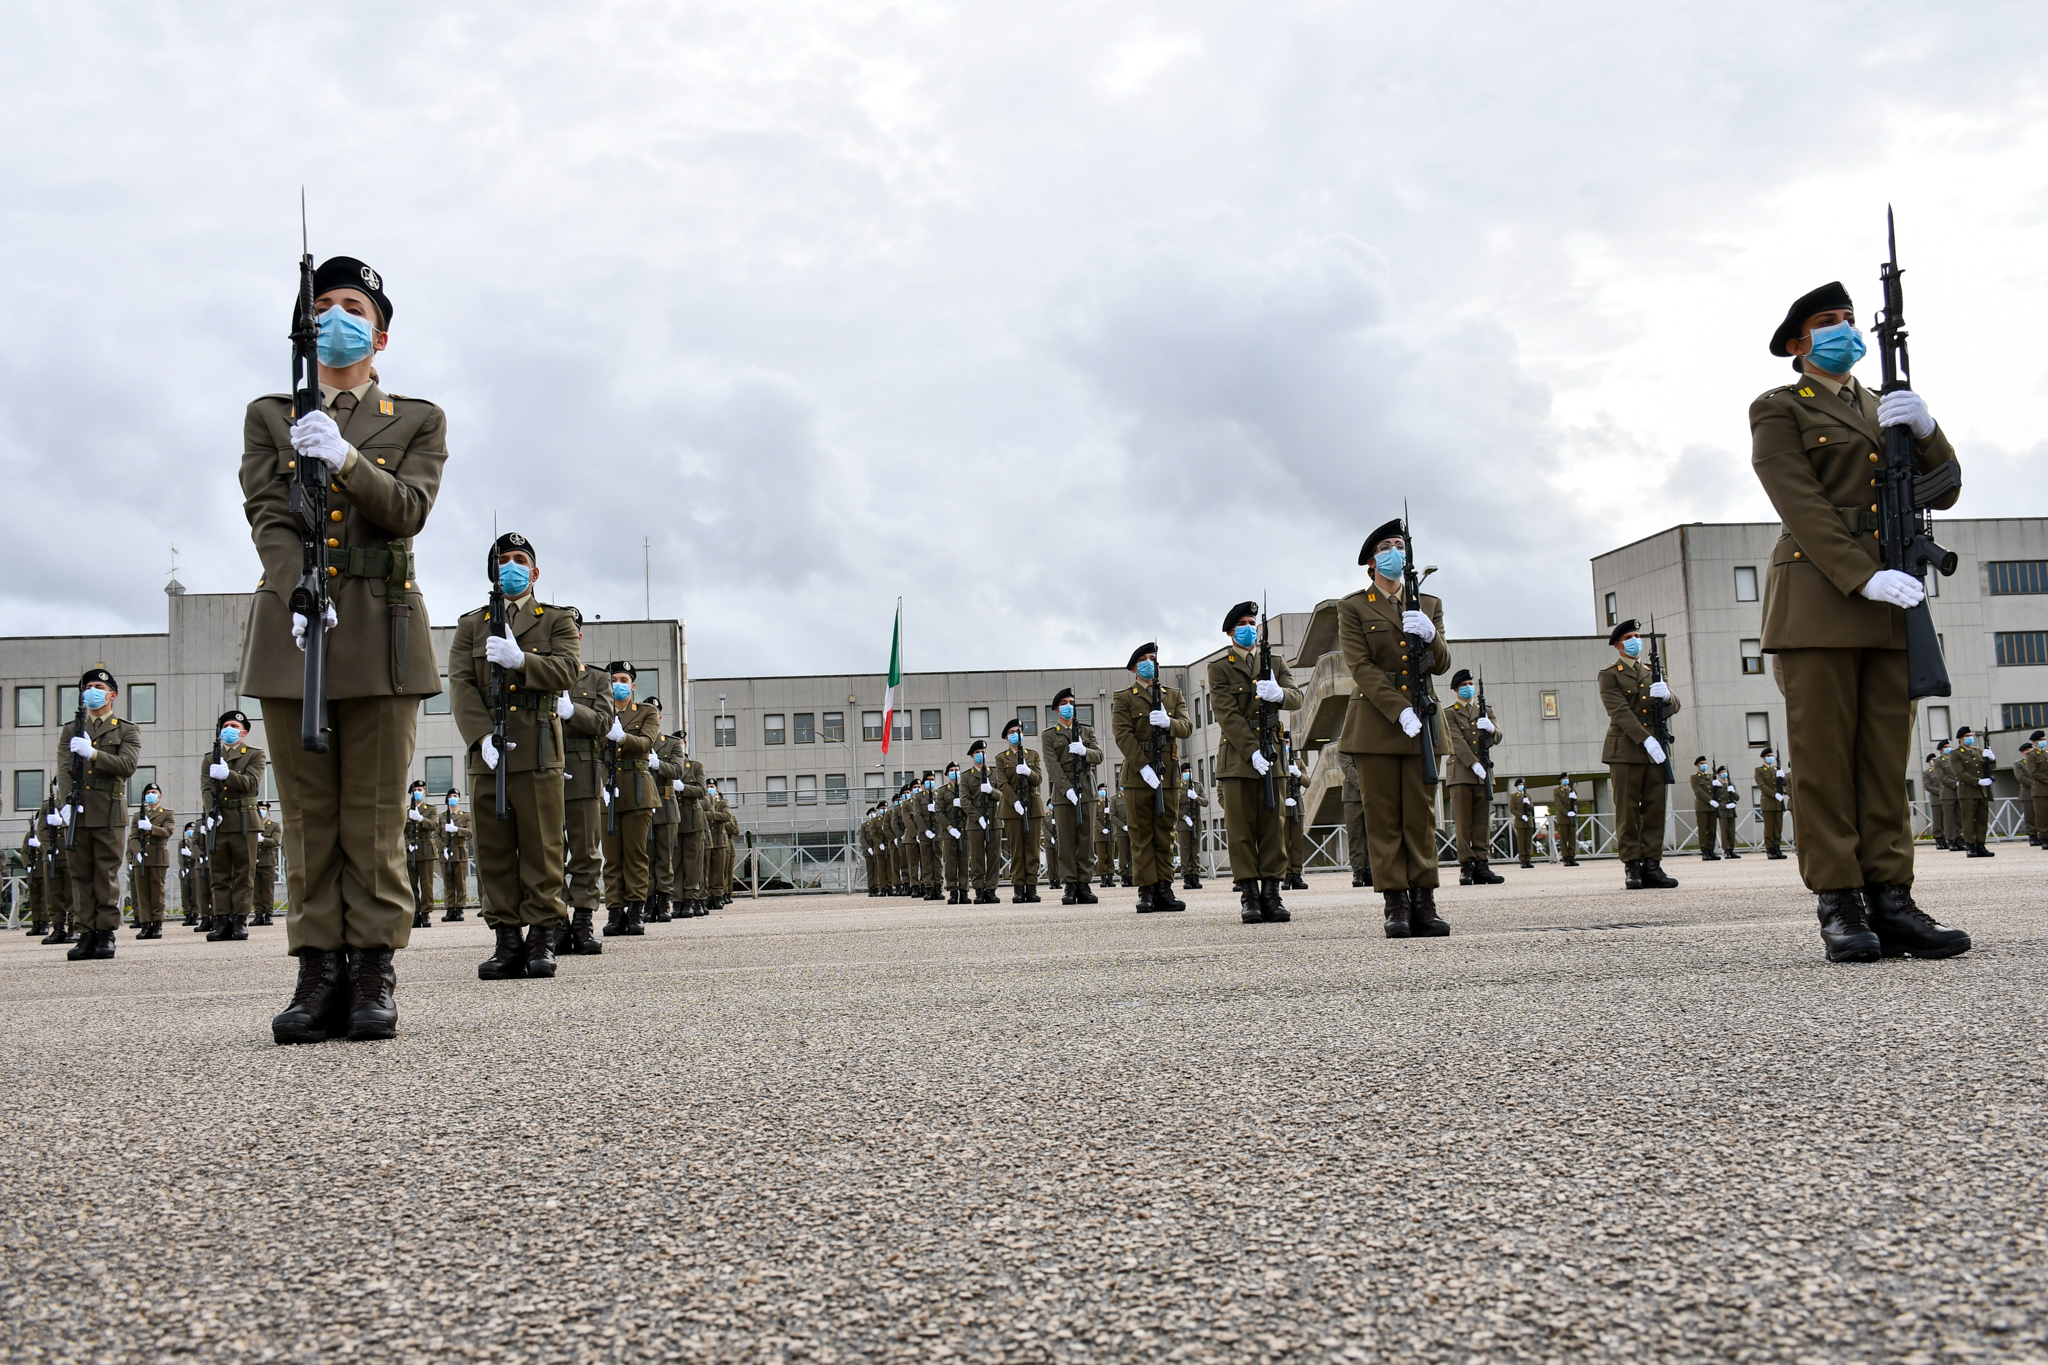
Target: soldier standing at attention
{"points": [[1071, 754], [693, 841], [419, 853], [667, 761], [952, 815], [1471, 785], [32, 869], [1382, 731], [151, 840], [1257, 835], [233, 785], [2023, 770], [586, 713], [1149, 737], [382, 456], [725, 829], [519, 858], [931, 834], [1635, 761], [1727, 811], [1767, 777], [1564, 799], [1522, 820], [1194, 805], [1120, 836], [48, 825], [1971, 765], [1950, 804], [1297, 817], [982, 812], [1835, 618], [1706, 807], [2040, 771], [109, 749], [635, 731], [455, 836], [1105, 841], [268, 837], [188, 880], [1017, 785]]}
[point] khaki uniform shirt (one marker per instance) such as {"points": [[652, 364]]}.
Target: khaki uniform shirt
{"points": [[1234, 697], [1016, 788], [1461, 727], [153, 845], [1130, 725], [1376, 656], [673, 769], [116, 749], [590, 696], [554, 664], [240, 790], [1766, 779], [1061, 766], [642, 724], [1625, 692]]}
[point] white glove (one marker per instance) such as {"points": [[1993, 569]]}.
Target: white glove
{"points": [[1417, 623], [1661, 691], [1293, 771], [1478, 772], [1072, 799], [1290, 800], [1905, 408], [299, 625], [1078, 748], [954, 832], [449, 827], [1411, 724], [504, 651], [1127, 829], [1023, 770], [931, 807], [1161, 719], [184, 853], [677, 783], [564, 707], [1653, 749], [34, 842], [81, 746], [983, 819], [1983, 781], [654, 763], [316, 437], [1486, 725], [1270, 691], [1713, 805], [988, 789], [1784, 772], [1019, 805], [207, 823], [142, 823], [617, 732], [491, 755], [1188, 820], [54, 819], [217, 771], [1259, 763], [1990, 757], [1151, 778], [956, 803], [931, 834], [1899, 589]]}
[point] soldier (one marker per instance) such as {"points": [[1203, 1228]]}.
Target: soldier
{"points": [[1382, 731], [1948, 805], [725, 829], [1470, 784], [661, 852], [189, 880], [1634, 760], [47, 825], [1727, 811], [105, 751], [420, 853], [382, 456], [1017, 785], [588, 716], [149, 842], [1706, 807], [1244, 764], [952, 815], [1149, 720], [1564, 804], [635, 731], [932, 833], [32, 873], [1297, 817], [1522, 820], [1070, 752], [233, 784], [1120, 837], [268, 835], [453, 837], [1105, 840], [981, 810], [1770, 780], [1194, 804], [1835, 618], [2024, 771], [693, 840], [1972, 766], [538, 656], [2040, 788]]}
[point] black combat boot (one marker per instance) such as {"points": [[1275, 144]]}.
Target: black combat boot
{"points": [[1845, 930], [1484, 875], [1774, 855], [204, 926], [1271, 908], [1731, 855], [934, 892], [83, 950], [1294, 882], [615, 920], [38, 928], [1163, 898], [422, 920], [373, 1010], [1941, 843], [635, 926], [219, 930], [507, 961], [1655, 877], [1525, 864], [103, 945], [583, 942], [1067, 893], [1709, 856], [1107, 881], [320, 1002], [59, 933], [1632, 872], [1145, 900], [154, 929], [657, 909], [1191, 882], [1465, 873], [540, 952], [1904, 929], [1398, 911], [1979, 851], [1570, 862], [1084, 894], [236, 931], [1251, 906], [1423, 919], [1360, 877]]}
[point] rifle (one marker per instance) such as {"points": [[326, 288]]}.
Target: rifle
{"points": [[1660, 729], [1418, 657], [1905, 529], [309, 507], [74, 802], [1269, 714], [1484, 743], [501, 729], [1158, 771], [213, 812], [611, 786]]}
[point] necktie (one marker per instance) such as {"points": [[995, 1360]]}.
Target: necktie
{"points": [[344, 408]]}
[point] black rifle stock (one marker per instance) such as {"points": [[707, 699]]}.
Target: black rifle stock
{"points": [[1269, 714], [1484, 744], [611, 784], [214, 790], [1660, 727], [1158, 737], [309, 508], [501, 728], [1418, 657], [74, 801]]}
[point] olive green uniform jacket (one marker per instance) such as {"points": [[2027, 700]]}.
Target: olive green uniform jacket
{"points": [[590, 717], [1376, 656], [1015, 788], [642, 724], [1625, 693], [1461, 725], [1061, 765], [1234, 697], [1130, 725]]}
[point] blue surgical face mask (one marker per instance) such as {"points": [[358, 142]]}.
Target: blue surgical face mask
{"points": [[149, 798], [1246, 636], [513, 578], [1466, 691], [1147, 669], [1015, 736], [1390, 563], [454, 800], [417, 795], [230, 736], [1632, 646], [345, 338], [621, 691], [981, 758], [1836, 349], [94, 698], [1066, 710]]}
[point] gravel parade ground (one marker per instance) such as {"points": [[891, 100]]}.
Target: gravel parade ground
{"points": [[1590, 1125]]}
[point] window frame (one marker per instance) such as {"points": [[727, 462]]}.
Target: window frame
{"points": [[931, 723], [832, 728], [806, 790], [134, 693], [143, 775], [836, 791], [776, 789], [803, 727], [1749, 724], [977, 722], [1613, 610], [21, 694], [774, 727], [1755, 586], [67, 701], [871, 733], [1027, 720], [1752, 657], [427, 770], [725, 732], [42, 777], [2016, 648], [440, 704]]}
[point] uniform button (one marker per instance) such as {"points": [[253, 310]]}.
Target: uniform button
{"points": [[1823, 440], [380, 459], [332, 571], [1873, 457], [333, 544], [334, 515], [1796, 554]]}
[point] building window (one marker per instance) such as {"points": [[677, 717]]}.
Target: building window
{"points": [[977, 722], [437, 705], [901, 778], [835, 727], [725, 732], [1027, 719], [835, 789], [1550, 706], [2022, 646], [1937, 722], [67, 704], [871, 726], [142, 704], [901, 725], [1759, 723], [1052, 716], [928, 723], [251, 708], [1752, 656], [28, 710], [807, 727], [873, 782], [1745, 583], [2024, 715], [649, 682], [142, 778], [440, 775], [2015, 577], [778, 791], [28, 787], [1084, 715], [771, 729], [1611, 614], [807, 790]]}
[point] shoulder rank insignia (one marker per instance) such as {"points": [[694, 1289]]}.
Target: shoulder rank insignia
{"points": [[1372, 597], [1806, 393], [384, 408]]}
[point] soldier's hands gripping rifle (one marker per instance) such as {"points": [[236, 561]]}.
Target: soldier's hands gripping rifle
{"points": [[611, 786], [74, 800], [501, 727], [1269, 714], [309, 598], [214, 789], [1905, 530], [1483, 745], [1154, 747], [1419, 657], [1660, 725]]}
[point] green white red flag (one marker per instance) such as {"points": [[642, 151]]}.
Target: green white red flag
{"points": [[895, 679]]}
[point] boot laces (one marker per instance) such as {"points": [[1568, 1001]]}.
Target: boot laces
{"points": [[312, 977]]}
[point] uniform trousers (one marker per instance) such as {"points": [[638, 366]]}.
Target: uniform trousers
{"points": [[661, 856], [1354, 815], [149, 892], [980, 851], [950, 836], [519, 860], [1525, 836], [1185, 831], [232, 868], [1975, 810], [1105, 851], [95, 861], [1641, 797], [455, 865], [1022, 831], [625, 858], [1706, 820], [693, 846], [2041, 807], [1726, 819], [721, 870], [583, 885], [266, 884], [1949, 818], [344, 834], [1151, 837], [1257, 837], [57, 891], [419, 871], [1120, 841], [1400, 821], [1849, 721], [1567, 836], [1297, 841], [1073, 849], [1774, 829], [930, 857], [1472, 810]]}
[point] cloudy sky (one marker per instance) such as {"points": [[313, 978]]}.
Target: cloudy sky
{"points": [[1071, 324]]}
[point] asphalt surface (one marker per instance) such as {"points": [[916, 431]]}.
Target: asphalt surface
{"points": [[1590, 1125]]}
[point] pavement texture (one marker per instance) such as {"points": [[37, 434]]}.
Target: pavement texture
{"points": [[1590, 1125]]}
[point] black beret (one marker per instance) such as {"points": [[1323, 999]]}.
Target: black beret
{"points": [[346, 272], [1238, 613], [1064, 694], [1463, 675], [1824, 299], [1392, 528], [512, 540], [1962, 730], [927, 774], [1622, 628], [1928, 759], [2028, 745], [654, 701], [977, 747], [1701, 759], [152, 787], [1149, 647], [453, 792], [97, 674], [236, 716], [1011, 724], [419, 784], [2038, 736], [621, 666], [1563, 779]]}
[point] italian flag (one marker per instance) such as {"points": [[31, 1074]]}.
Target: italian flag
{"points": [[895, 679]]}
